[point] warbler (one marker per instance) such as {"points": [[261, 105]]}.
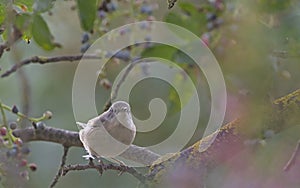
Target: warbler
{"points": [[109, 134]]}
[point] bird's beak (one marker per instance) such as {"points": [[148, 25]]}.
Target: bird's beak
{"points": [[80, 125]]}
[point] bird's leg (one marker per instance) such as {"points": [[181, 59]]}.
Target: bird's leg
{"points": [[91, 161], [88, 157]]}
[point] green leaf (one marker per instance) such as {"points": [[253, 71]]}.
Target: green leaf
{"points": [[23, 21], [87, 13], [43, 5], [181, 58], [188, 8], [41, 33], [180, 83], [162, 51], [2, 11], [192, 20]]}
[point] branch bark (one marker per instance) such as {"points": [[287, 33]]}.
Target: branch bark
{"points": [[71, 138], [44, 60]]}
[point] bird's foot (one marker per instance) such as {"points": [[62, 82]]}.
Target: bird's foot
{"points": [[88, 157]]}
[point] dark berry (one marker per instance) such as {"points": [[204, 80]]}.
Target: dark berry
{"points": [[111, 6], [123, 55], [15, 109], [24, 174], [13, 125], [144, 25], [3, 131], [32, 166], [101, 14], [123, 32], [219, 21], [210, 26], [12, 152], [206, 38], [146, 9], [84, 47], [85, 38], [25, 150], [40, 125], [211, 16], [23, 162]]}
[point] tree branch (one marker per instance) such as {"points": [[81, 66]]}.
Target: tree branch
{"points": [[62, 164], [293, 158], [71, 138], [44, 60], [103, 167]]}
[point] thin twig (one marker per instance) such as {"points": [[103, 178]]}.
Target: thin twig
{"points": [[62, 164], [292, 160], [2, 48], [44, 60], [114, 93], [103, 167], [171, 3]]}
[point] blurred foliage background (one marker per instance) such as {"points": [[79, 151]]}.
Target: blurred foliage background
{"points": [[256, 44]]}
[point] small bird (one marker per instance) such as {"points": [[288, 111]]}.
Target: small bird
{"points": [[109, 134]]}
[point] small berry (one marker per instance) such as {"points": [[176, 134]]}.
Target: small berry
{"points": [[25, 150], [123, 55], [33, 167], [40, 125], [24, 174], [15, 109], [12, 152], [13, 125], [23, 162], [85, 37], [101, 14], [211, 16], [206, 39], [146, 9], [47, 114], [3, 131], [111, 6], [219, 21], [144, 25], [84, 47], [210, 26], [18, 142], [123, 32]]}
